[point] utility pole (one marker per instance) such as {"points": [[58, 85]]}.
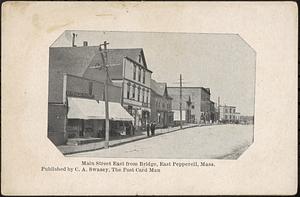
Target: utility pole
{"points": [[105, 61], [105, 66], [180, 105]]}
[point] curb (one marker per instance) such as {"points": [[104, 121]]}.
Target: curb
{"points": [[134, 140]]}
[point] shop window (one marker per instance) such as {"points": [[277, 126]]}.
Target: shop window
{"points": [[90, 88], [130, 109]]}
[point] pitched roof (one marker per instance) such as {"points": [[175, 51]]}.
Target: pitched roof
{"points": [[115, 56], [158, 88], [71, 60], [76, 60]]}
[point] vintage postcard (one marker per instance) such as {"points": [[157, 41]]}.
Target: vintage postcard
{"points": [[149, 98]]}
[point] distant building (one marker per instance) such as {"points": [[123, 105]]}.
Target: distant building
{"points": [[161, 104], [195, 102], [228, 114], [247, 119]]}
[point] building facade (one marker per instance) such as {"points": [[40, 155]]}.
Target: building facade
{"points": [[76, 96], [195, 102], [246, 120], [161, 105], [129, 71], [228, 114]]}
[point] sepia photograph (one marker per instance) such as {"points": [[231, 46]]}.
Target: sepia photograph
{"points": [[151, 95], [149, 98]]}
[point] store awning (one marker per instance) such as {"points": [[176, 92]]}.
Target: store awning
{"points": [[80, 108], [177, 115], [117, 112]]}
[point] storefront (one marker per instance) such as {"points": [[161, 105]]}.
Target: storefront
{"points": [[141, 116], [86, 118]]}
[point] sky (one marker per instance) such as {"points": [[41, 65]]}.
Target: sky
{"points": [[225, 63]]}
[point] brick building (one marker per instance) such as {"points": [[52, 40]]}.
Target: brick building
{"points": [[195, 102]]}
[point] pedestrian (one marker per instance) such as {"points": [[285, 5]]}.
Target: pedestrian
{"points": [[148, 129], [153, 128], [127, 127]]}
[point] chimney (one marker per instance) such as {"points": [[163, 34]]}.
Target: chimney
{"points": [[85, 43], [73, 39]]}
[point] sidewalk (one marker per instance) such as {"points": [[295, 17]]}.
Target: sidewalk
{"points": [[70, 149]]}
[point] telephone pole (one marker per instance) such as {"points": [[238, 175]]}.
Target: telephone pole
{"points": [[180, 105], [105, 66], [104, 58]]}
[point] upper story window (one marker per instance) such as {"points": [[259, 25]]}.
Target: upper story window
{"points": [[147, 95], [233, 110], [90, 88], [143, 95], [230, 110], [144, 76], [226, 110], [128, 90], [140, 58], [140, 74], [134, 72], [133, 92], [139, 93]]}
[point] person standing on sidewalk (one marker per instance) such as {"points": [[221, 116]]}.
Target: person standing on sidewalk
{"points": [[148, 129], [153, 128]]}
